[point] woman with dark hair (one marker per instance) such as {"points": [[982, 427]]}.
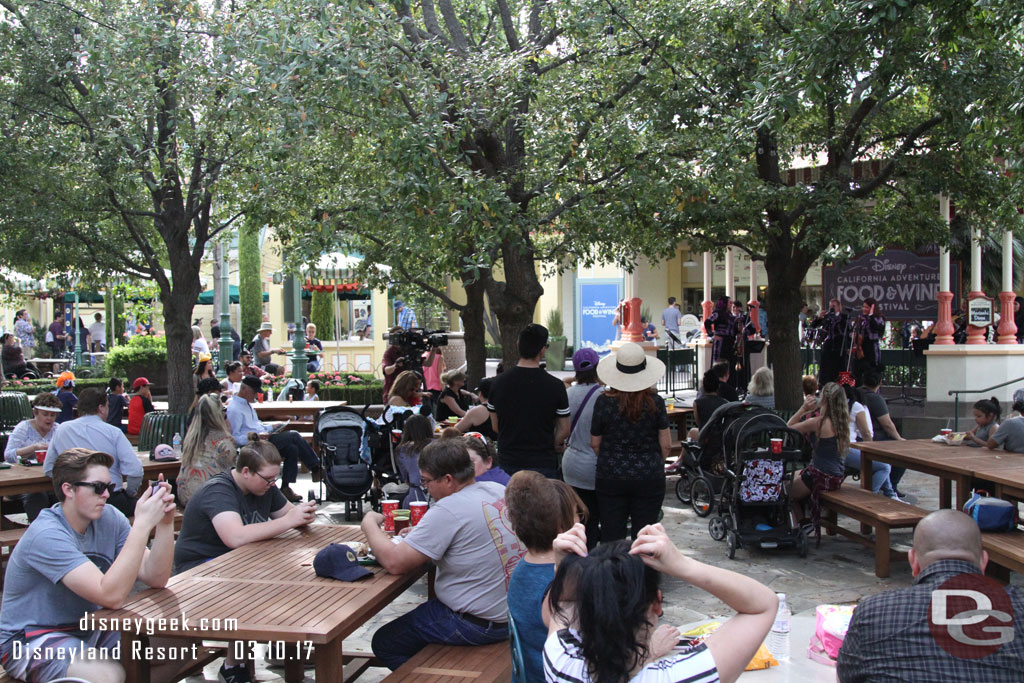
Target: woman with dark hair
{"points": [[117, 403], [208, 449], [416, 434], [604, 608], [406, 390], [724, 327], [478, 418], [630, 434], [868, 330], [204, 370], [13, 358], [579, 461], [539, 509]]}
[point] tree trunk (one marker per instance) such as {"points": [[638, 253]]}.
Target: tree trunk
{"points": [[786, 269], [514, 300], [474, 335], [178, 327]]}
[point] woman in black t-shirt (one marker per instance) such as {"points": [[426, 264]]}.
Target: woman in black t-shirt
{"points": [[630, 435], [450, 403]]}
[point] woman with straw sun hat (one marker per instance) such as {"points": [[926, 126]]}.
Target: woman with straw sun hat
{"points": [[630, 434]]}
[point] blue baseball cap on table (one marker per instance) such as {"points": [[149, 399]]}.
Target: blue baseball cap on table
{"points": [[338, 561]]}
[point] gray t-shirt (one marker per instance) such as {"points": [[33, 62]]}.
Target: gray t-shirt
{"points": [[260, 345], [198, 540], [877, 407], [466, 537], [1010, 435], [34, 596], [579, 461], [671, 317]]}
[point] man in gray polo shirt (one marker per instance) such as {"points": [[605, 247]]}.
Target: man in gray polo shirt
{"points": [[462, 535]]}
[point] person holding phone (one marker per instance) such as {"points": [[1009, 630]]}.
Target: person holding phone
{"points": [[78, 556]]}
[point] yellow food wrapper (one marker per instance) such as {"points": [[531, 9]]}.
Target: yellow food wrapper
{"points": [[762, 658]]}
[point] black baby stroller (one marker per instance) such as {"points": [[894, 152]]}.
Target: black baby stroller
{"points": [[754, 506], [701, 465], [385, 435], [341, 434]]}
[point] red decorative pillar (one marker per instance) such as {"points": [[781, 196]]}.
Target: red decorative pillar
{"points": [[976, 334], [706, 305], [944, 325], [632, 330], [1007, 327]]}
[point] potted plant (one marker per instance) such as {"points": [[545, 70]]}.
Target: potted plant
{"points": [[556, 341]]}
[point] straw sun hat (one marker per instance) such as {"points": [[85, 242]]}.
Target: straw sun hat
{"points": [[630, 369]]}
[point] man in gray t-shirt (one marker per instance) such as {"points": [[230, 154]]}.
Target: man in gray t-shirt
{"points": [[1010, 436], [474, 550], [670, 319], [60, 571]]}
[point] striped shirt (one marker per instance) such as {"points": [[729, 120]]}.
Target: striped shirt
{"points": [[564, 663]]}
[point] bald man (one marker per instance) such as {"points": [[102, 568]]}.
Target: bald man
{"points": [[890, 638]]}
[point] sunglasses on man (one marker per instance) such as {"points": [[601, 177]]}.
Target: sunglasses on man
{"points": [[98, 487]]}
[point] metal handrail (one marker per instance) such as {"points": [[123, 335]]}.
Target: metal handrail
{"points": [[955, 393]]}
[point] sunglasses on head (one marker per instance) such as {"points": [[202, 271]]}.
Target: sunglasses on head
{"points": [[477, 435], [97, 486]]}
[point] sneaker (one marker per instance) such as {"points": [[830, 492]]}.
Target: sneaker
{"points": [[235, 674], [291, 495], [894, 496]]}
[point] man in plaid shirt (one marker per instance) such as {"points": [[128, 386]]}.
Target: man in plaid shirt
{"points": [[406, 316], [891, 634]]}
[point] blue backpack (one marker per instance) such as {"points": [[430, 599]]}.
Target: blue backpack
{"points": [[991, 514]]}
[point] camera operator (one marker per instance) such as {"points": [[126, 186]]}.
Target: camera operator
{"points": [[393, 360], [410, 350]]}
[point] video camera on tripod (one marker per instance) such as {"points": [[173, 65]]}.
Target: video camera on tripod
{"points": [[414, 342]]}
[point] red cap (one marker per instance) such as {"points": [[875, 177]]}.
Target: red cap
{"points": [[140, 382]]}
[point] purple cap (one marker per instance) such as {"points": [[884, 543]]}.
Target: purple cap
{"points": [[585, 359]]}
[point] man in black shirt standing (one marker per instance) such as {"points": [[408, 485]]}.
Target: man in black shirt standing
{"points": [[529, 410]]}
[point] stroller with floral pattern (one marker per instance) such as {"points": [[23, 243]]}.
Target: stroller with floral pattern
{"points": [[753, 505]]}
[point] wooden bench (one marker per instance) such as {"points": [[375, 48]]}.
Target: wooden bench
{"points": [[457, 664], [871, 510], [1006, 550]]}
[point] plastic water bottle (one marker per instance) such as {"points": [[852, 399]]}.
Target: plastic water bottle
{"points": [[270, 394], [778, 638], [176, 443]]}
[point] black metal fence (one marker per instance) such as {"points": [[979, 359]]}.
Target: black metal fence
{"points": [[900, 367], [680, 370]]}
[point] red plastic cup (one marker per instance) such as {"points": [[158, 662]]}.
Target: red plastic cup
{"points": [[945, 432], [40, 455], [776, 446], [416, 511], [388, 508]]}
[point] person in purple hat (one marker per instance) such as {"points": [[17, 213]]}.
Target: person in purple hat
{"points": [[579, 462]]}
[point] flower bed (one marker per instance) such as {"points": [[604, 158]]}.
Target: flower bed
{"points": [[358, 388]]}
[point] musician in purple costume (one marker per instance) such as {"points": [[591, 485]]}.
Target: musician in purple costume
{"points": [[833, 330], [724, 327], [868, 330]]}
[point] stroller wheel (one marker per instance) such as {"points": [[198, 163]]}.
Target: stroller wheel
{"points": [[731, 543], [702, 496], [802, 542], [717, 528], [683, 488]]}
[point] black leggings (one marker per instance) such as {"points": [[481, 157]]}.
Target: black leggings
{"points": [[636, 500]]}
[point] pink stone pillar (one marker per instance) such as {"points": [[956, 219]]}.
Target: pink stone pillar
{"points": [[706, 305], [944, 325], [1007, 327], [632, 330]]}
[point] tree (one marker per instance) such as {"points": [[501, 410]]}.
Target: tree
{"points": [[477, 141], [250, 282], [122, 123], [889, 101], [321, 314]]}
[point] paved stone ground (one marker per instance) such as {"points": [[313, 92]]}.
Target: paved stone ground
{"points": [[839, 571]]}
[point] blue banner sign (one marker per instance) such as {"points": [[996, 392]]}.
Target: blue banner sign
{"points": [[598, 300]]}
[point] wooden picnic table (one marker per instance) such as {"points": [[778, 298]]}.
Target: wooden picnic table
{"points": [[282, 410], [30, 479], [270, 588], [951, 464]]}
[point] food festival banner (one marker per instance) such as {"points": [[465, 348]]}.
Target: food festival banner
{"points": [[598, 300], [905, 284]]}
